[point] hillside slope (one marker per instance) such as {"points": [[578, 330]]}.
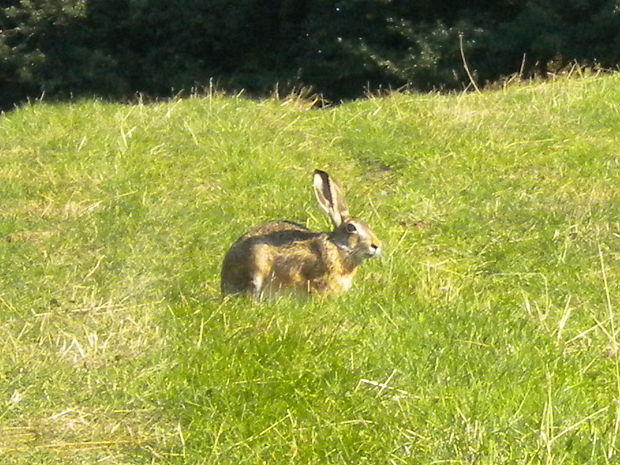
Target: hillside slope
{"points": [[487, 333]]}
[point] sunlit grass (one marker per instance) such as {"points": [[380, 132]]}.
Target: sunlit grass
{"points": [[486, 334]]}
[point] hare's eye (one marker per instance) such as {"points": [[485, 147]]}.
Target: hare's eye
{"points": [[350, 228]]}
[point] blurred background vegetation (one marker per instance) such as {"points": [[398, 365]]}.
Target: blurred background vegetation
{"points": [[339, 49]]}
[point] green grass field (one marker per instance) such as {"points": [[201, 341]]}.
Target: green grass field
{"points": [[486, 334]]}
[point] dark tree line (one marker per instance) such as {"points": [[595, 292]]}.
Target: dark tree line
{"points": [[115, 48]]}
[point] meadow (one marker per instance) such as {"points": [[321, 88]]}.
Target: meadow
{"points": [[486, 334]]}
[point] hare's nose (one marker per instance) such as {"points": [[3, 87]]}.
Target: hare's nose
{"points": [[375, 249]]}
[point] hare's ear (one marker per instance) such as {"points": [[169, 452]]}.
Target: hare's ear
{"points": [[330, 197]]}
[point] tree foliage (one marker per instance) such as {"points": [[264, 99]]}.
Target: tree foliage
{"points": [[114, 48]]}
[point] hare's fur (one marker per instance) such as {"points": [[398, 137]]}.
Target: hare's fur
{"points": [[284, 255]]}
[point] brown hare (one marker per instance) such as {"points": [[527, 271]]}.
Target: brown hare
{"points": [[284, 255]]}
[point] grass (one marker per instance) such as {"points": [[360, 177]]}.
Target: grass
{"points": [[487, 334]]}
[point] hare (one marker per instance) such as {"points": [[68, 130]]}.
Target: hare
{"points": [[284, 255]]}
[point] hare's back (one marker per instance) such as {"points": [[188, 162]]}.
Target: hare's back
{"points": [[277, 229], [274, 235]]}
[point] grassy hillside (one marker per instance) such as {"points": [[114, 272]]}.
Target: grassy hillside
{"points": [[487, 333]]}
